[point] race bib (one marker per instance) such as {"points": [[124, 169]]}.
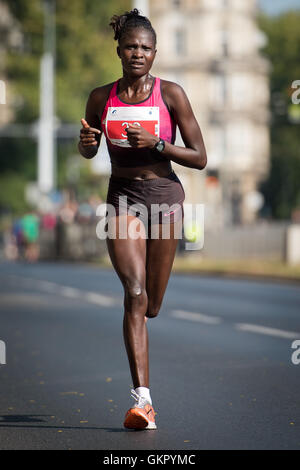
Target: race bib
{"points": [[118, 118]]}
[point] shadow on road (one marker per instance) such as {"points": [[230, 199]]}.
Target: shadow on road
{"points": [[7, 421], [21, 419]]}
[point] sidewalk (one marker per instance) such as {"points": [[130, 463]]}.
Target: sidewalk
{"points": [[275, 271], [238, 268]]}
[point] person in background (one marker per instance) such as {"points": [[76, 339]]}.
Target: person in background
{"points": [[30, 227]]}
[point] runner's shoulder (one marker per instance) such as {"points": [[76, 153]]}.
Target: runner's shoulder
{"points": [[172, 92], [171, 88], [100, 94]]}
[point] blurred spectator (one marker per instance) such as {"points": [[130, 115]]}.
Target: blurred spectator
{"points": [[10, 245], [68, 211], [95, 201], [296, 216], [18, 237], [85, 213], [48, 221], [30, 227]]}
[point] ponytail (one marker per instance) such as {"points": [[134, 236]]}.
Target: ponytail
{"points": [[130, 20]]}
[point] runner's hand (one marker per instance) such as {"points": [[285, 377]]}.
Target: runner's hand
{"points": [[138, 137], [88, 134]]}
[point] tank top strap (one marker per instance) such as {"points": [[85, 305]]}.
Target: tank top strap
{"points": [[112, 94], [156, 94]]}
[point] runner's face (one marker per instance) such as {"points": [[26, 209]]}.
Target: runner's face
{"points": [[137, 51]]}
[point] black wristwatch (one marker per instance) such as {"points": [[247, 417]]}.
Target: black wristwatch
{"points": [[160, 145]]}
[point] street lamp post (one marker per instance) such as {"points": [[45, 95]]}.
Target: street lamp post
{"points": [[142, 6], [46, 131]]}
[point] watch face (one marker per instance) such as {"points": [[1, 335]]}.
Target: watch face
{"points": [[160, 146]]}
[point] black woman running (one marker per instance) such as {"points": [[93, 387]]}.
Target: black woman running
{"points": [[138, 115]]}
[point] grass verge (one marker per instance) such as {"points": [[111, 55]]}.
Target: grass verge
{"points": [[272, 269], [237, 268]]}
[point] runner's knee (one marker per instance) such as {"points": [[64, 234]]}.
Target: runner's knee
{"points": [[152, 311], [134, 291]]}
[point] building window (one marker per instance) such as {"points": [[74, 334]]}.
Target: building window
{"points": [[220, 4], [180, 46], [240, 142], [176, 3], [218, 147], [177, 77], [224, 43], [240, 88], [219, 90]]}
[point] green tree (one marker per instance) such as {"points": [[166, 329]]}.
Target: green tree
{"points": [[85, 59], [282, 188], [85, 54]]}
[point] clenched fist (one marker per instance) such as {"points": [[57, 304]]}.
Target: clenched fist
{"points": [[88, 134], [138, 137]]}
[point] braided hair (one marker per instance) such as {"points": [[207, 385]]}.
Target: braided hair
{"points": [[130, 20]]}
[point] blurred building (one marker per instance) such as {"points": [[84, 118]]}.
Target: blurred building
{"points": [[212, 49]]}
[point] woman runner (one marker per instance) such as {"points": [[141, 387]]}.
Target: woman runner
{"points": [[138, 115]]}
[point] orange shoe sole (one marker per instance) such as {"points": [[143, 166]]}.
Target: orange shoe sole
{"points": [[135, 419]]}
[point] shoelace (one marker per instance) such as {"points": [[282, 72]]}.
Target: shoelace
{"points": [[141, 401]]}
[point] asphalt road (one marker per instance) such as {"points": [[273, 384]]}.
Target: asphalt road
{"points": [[221, 368]]}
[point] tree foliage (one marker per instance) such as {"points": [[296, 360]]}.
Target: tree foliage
{"points": [[282, 188], [85, 58], [85, 53]]}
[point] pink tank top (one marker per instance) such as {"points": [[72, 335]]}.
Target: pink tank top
{"points": [[151, 113]]}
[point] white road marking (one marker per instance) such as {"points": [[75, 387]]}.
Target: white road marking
{"points": [[71, 292], [109, 301], [49, 286], [23, 299], [266, 330], [99, 299], [199, 317]]}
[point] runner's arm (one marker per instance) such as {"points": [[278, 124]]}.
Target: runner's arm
{"points": [[193, 155], [93, 105]]}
